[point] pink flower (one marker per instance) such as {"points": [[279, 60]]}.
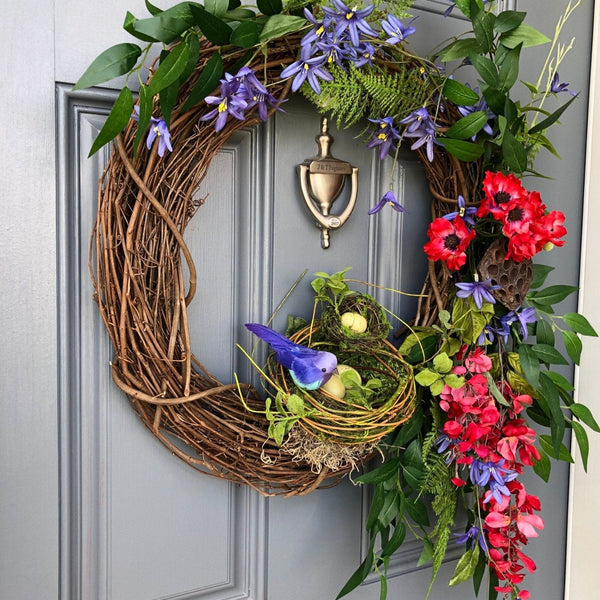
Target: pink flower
{"points": [[526, 524], [478, 361]]}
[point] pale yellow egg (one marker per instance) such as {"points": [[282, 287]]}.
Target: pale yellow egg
{"points": [[343, 368], [355, 322], [334, 386]]}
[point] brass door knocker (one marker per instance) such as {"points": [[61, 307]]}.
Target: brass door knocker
{"points": [[322, 180]]}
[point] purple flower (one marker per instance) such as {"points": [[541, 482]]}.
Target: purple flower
{"points": [[362, 55], [384, 136], [480, 290], [253, 92], [493, 475], [333, 51], [464, 212], [473, 533], [443, 443], [556, 87], [421, 126], [388, 198], [396, 30], [230, 102], [307, 67], [318, 31], [158, 129], [479, 106], [525, 316], [351, 19]]}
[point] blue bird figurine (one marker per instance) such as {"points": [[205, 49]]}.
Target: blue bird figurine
{"points": [[309, 368]]}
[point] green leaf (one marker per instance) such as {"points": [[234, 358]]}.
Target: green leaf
{"points": [[583, 443], [426, 553], [557, 423], [468, 126], [269, 7], [245, 35], [240, 14], [543, 466], [376, 506], [465, 568], [382, 473], [454, 381], [573, 345], [129, 26], [483, 27], [560, 381], [280, 25], [530, 364], [295, 404], [495, 99], [113, 62], [465, 151], [509, 70], [409, 430], [417, 512], [217, 7], [395, 540], [170, 68], [116, 121], [540, 273], [164, 27], [544, 333], [563, 454], [146, 105], [584, 414], [579, 324], [153, 10], [207, 82], [427, 377], [442, 363], [524, 34], [494, 389], [542, 125], [485, 68], [214, 29], [508, 20], [549, 355], [459, 93], [167, 100], [361, 573], [515, 155], [460, 49], [553, 294]]}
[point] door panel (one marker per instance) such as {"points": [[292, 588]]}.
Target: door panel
{"points": [[137, 524]]}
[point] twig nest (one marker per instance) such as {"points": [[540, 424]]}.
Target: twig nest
{"points": [[514, 277], [357, 323]]}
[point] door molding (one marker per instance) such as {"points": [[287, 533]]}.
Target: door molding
{"points": [[582, 577]]}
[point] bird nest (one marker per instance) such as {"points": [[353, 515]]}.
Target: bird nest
{"points": [[138, 250]]}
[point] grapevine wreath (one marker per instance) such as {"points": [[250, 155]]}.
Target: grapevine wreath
{"points": [[446, 411]]}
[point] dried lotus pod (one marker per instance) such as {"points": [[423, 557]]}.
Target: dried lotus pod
{"points": [[514, 277]]}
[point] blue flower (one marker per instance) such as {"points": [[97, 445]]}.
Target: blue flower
{"points": [[334, 51], [421, 126], [388, 198], [464, 212], [351, 19], [556, 87], [253, 92], [160, 131], [473, 533], [493, 475], [307, 68], [362, 55], [384, 136], [396, 30], [525, 316], [480, 290], [230, 102], [318, 31]]}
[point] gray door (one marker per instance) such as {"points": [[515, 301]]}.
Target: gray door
{"points": [[135, 523]]}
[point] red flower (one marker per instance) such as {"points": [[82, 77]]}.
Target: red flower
{"points": [[522, 246], [478, 361], [518, 214], [499, 190], [550, 227], [448, 241]]}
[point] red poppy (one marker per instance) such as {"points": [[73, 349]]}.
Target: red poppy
{"points": [[448, 241], [518, 214], [499, 189]]}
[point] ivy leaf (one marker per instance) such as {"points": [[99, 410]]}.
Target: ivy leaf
{"points": [[280, 25], [524, 34], [553, 294], [583, 443], [573, 345], [170, 69], [116, 121], [113, 62], [269, 7], [579, 324], [468, 126], [207, 82], [245, 35], [543, 466], [584, 414], [465, 568], [508, 20], [465, 151], [214, 29], [459, 93]]}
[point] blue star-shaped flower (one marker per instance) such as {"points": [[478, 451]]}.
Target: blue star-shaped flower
{"points": [[388, 198]]}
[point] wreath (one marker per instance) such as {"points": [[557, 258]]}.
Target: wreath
{"points": [[444, 407]]}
